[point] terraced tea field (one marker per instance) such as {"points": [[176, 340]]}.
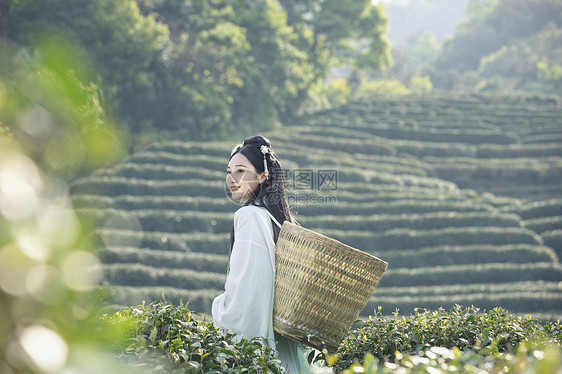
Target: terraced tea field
{"points": [[460, 195]]}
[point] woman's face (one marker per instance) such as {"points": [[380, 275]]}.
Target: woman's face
{"points": [[242, 177]]}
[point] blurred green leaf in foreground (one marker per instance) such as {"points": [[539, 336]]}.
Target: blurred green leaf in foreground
{"points": [[52, 128]]}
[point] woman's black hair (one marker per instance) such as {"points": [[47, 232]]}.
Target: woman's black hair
{"points": [[271, 193]]}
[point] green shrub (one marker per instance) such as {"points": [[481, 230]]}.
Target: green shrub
{"points": [[421, 150], [181, 203], [409, 206], [393, 195], [414, 239], [91, 201], [473, 174], [520, 150], [164, 339], [420, 134], [372, 146], [217, 149], [353, 174], [166, 172], [113, 186], [554, 240], [376, 179], [468, 255], [425, 221], [167, 339], [543, 138], [196, 242], [516, 301], [470, 274], [540, 225], [172, 159], [170, 259], [177, 221], [540, 209], [460, 289], [143, 275], [463, 328], [124, 296], [529, 358]]}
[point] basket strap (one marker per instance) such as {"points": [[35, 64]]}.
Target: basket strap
{"points": [[271, 216]]}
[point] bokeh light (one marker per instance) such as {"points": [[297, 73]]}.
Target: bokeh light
{"points": [[20, 185], [46, 349], [51, 129]]}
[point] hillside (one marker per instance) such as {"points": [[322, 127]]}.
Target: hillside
{"points": [[407, 179]]}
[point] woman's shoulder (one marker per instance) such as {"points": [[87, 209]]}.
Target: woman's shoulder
{"points": [[252, 214], [250, 210]]}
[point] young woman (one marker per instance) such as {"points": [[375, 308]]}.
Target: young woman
{"points": [[255, 178]]}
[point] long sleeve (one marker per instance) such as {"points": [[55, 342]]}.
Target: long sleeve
{"points": [[246, 306]]}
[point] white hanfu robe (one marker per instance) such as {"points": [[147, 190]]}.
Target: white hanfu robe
{"points": [[246, 306]]}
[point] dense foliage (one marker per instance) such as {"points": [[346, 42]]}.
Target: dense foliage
{"points": [[485, 333], [206, 69], [51, 128], [504, 45], [529, 358], [168, 339]]}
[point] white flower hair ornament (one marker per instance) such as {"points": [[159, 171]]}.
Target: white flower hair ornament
{"points": [[265, 150], [235, 149]]}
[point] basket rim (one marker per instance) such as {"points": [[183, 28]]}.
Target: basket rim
{"points": [[292, 227]]}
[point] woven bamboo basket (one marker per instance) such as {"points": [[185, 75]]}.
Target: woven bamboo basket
{"points": [[321, 286]]}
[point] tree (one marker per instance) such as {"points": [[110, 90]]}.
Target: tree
{"points": [[206, 68], [336, 32], [233, 57], [114, 38], [491, 27]]}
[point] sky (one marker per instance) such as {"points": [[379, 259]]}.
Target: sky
{"points": [[396, 2], [411, 18]]}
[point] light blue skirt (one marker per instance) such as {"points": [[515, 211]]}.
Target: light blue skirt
{"points": [[293, 355]]}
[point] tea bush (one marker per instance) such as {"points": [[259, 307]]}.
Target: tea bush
{"points": [[539, 209], [204, 262], [423, 221], [219, 149], [174, 159], [164, 220], [554, 240], [472, 274], [185, 203], [462, 289], [519, 151], [467, 255], [124, 296], [421, 150], [540, 225], [529, 358], [166, 172], [464, 329], [197, 242], [164, 339], [412, 239], [468, 136], [517, 301], [118, 185], [143, 275], [91, 201], [394, 207], [372, 146]]}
